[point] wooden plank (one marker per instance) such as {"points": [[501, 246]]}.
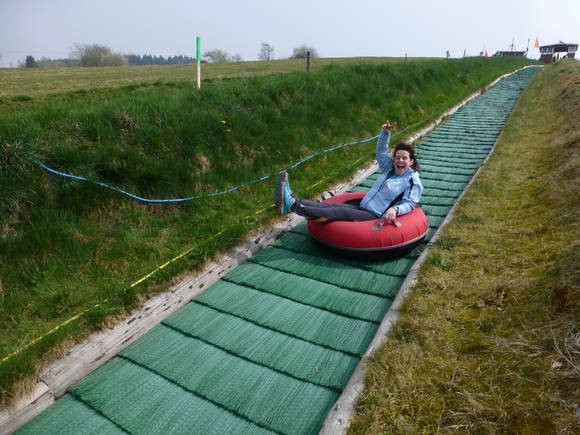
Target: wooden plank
{"points": [[26, 409]]}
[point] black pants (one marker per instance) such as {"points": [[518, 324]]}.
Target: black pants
{"points": [[331, 211]]}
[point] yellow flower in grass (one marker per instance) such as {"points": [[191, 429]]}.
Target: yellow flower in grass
{"points": [[225, 123]]}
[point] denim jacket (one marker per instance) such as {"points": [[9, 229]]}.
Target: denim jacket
{"points": [[389, 186]]}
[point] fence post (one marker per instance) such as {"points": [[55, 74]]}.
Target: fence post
{"points": [[308, 61]]}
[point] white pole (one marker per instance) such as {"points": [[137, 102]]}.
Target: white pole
{"points": [[198, 62]]}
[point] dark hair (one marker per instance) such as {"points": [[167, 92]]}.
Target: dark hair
{"points": [[411, 150]]}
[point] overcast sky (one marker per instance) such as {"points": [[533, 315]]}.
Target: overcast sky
{"points": [[335, 28]]}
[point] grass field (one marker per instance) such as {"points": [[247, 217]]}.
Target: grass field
{"points": [[488, 339], [32, 84], [72, 252]]}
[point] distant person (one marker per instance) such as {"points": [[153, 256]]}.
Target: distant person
{"points": [[396, 192]]}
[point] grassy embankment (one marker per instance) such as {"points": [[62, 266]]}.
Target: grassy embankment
{"points": [[26, 85], [488, 339], [72, 250]]}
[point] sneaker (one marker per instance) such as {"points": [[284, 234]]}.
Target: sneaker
{"points": [[283, 197]]}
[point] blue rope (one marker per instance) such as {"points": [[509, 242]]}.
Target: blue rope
{"points": [[205, 195]]}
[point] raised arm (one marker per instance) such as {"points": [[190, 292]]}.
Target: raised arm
{"points": [[383, 158]]}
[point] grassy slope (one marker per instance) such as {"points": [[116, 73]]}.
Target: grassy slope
{"points": [[68, 247], [25, 85], [488, 340]]}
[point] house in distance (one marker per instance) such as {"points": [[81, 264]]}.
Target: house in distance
{"points": [[551, 53]]}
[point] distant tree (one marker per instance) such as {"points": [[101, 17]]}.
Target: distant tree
{"points": [[266, 52], [90, 55], [302, 51], [114, 59], [236, 58], [30, 62], [133, 59], [216, 56]]}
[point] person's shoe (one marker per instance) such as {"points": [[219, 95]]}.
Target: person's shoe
{"points": [[283, 197]]}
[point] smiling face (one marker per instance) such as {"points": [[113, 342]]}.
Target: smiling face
{"points": [[403, 161]]}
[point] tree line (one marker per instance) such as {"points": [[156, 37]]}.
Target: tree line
{"points": [[93, 55], [135, 59]]}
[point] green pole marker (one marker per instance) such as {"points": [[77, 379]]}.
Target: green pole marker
{"points": [[198, 57]]}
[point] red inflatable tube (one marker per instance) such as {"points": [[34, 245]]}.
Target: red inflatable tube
{"points": [[375, 237]]}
